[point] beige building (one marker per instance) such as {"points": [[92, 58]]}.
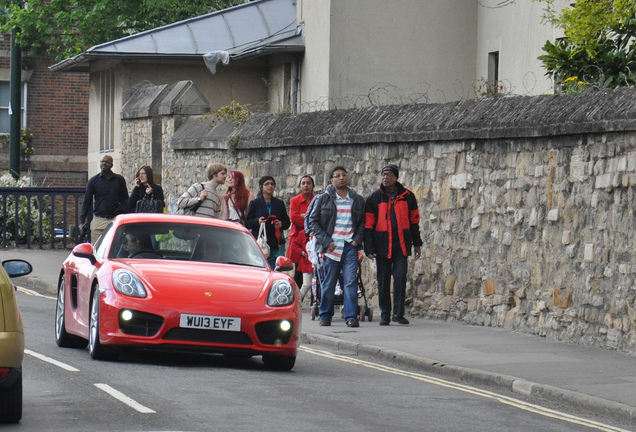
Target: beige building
{"points": [[359, 52], [509, 40], [307, 55]]}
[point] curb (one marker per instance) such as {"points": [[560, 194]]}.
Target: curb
{"points": [[572, 399], [36, 283]]}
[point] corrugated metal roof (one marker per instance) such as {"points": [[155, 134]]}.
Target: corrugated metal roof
{"points": [[249, 29]]}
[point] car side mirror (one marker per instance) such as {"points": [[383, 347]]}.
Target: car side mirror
{"points": [[17, 267], [284, 264], [85, 250]]}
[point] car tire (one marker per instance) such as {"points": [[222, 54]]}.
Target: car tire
{"points": [[96, 350], [279, 363], [11, 402], [62, 338]]}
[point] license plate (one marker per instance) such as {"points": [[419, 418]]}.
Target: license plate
{"points": [[210, 322]]}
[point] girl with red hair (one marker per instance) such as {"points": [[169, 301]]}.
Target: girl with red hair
{"points": [[237, 197]]}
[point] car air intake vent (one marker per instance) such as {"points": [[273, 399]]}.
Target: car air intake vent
{"points": [[140, 324], [209, 336], [270, 333]]}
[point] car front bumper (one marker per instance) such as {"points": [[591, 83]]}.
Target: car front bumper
{"points": [[159, 327]]}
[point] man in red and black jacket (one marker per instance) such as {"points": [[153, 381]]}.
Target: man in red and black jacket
{"points": [[391, 230]]}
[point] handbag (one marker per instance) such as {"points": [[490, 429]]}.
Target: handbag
{"points": [[262, 240], [192, 210], [149, 205]]}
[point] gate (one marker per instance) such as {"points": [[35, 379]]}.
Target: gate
{"points": [[41, 216]]}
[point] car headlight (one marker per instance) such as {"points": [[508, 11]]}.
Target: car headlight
{"points": [[128, 283], [280, 294]]}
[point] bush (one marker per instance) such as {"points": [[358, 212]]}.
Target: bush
{"points": [[26, 210]]}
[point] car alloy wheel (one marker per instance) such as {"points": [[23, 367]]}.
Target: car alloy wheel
{"points": [[62, 338], [96, 350]]}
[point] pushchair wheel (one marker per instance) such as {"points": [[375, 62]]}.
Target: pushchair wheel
{"points": [[313, 312], [370, 314], [361, 313]]}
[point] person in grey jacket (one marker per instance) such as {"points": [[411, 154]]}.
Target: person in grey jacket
{"points": [[337, 221]]}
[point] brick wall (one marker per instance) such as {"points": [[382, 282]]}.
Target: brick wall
{"points": [[57, 114]]}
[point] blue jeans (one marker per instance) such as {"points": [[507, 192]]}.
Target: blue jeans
{"points": [[396, 267], [349, 266]]}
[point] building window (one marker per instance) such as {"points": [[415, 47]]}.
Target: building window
{"points": [[107, 109], [5, 102], [493, 71]]}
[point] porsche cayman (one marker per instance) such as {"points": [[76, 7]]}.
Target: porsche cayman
{"points": [[179, 282]]}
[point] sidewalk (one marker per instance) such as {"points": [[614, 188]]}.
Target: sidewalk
{"points": [[596, 380]]}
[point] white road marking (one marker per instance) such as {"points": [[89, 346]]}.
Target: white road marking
{"points": [[104, 387], [125, 399], [468, 389], [50, 360]]}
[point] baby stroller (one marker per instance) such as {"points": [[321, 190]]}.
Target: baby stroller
{"points": [[363, 310]]}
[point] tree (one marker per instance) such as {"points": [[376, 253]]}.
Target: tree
{"points": [[64, 28], [599, 48]]}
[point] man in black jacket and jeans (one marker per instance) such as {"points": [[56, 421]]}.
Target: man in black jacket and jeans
{"points": [[108, 192], [391, 230]]}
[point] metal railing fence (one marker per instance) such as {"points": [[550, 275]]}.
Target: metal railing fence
{"points": [[42, 216]]}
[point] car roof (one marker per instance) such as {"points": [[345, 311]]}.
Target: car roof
{"points": [[174, 218]]}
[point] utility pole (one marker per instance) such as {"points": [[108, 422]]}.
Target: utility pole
{"points": [[15, 107]]}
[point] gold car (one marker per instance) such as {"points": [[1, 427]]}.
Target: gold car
{"points": [[11, 342]]}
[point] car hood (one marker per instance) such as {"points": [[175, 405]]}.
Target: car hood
{"points": [[222, 282]]}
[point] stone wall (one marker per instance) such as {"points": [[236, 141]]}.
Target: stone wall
{"points": [[527, 204]]}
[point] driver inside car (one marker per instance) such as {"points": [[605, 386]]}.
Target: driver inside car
{"points": [[131, 243]]}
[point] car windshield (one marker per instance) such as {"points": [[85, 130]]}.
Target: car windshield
{"points": [[187, 242]]}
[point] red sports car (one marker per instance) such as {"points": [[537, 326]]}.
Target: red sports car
{"points": [[177, 282]]}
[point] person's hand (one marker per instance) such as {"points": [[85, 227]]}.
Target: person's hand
{"points": [[262, 220], [331, 247], [148, 190], [277, 223], [137, 182], [203, 194], [418, 252], [371, 255]]}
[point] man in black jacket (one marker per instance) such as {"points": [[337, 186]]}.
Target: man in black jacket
{"points": [[391, 230], [108, 192]]}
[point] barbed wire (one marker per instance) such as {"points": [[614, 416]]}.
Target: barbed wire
{"points": [[385, 93], [499, 5]]}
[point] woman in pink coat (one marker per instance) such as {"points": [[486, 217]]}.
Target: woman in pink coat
{"points": [[297, 239]]}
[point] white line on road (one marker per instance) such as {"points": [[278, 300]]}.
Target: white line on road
{"points": [[125, 399], [50, 360]]}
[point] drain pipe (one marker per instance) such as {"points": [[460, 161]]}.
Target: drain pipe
{"points": [[294, 84]]}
